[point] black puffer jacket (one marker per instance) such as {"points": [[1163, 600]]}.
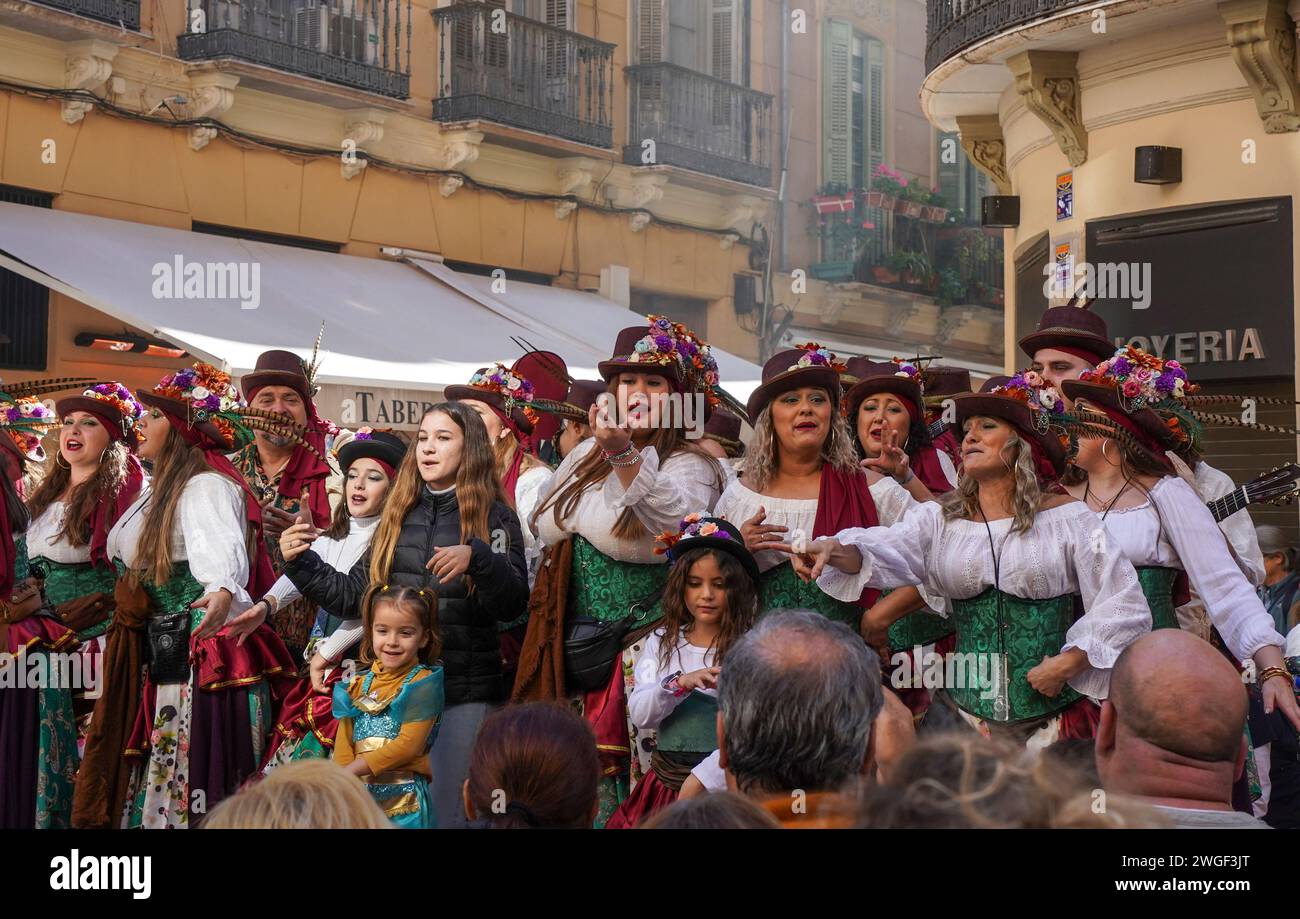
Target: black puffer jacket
{"points": [[467, 622]]}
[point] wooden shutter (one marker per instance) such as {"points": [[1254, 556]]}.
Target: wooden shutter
{"points": [[651, 22], [725, 29], [837, 95], [876, 104], [950, 174]]}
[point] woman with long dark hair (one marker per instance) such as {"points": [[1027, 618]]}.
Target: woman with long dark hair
{"points": [[1132, 410], [445, 527], [189, 551], [639, 475], [1013, 560]]}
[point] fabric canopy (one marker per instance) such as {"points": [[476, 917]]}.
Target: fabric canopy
{"points": [[387, 323]]}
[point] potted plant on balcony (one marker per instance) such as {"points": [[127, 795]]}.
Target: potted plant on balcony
{"points": [[833, 198], [886, 187], [913, 267], [910, 202], [933, 209]]}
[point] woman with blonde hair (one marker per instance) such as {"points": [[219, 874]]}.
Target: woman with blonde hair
{"points": [[445, 527], [309, 794], [1013, 561]]}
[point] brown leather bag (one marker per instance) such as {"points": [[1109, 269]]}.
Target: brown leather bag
{"points": [[84, 612], [540, 677]]}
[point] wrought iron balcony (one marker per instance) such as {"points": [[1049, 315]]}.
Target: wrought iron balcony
{"points": [[530, 75], [365, 44], [117, 12], [699, 122], [954, 25]]}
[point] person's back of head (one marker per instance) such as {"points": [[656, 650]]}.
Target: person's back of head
{"points": [[720, 810], [1173, 725], [534, 765], [797, 696], [960, 780], [311, 794]]}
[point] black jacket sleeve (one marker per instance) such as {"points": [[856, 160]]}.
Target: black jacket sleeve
{"points": [[500, 578], [338, 592]]}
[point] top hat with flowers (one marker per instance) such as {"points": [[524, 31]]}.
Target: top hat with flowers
{"points": [[1029, 405], [383, 446], [26, 421], [117, 409], [667, 348], [807, 365], [502, 388], [702, 531], [209, 409], [897, 377]]}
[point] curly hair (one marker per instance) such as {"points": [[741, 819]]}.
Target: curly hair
{"points": [[762, 457], [963, 502], [100, 488], [739, 615]]}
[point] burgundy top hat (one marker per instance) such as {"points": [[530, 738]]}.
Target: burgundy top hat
{"points": [[113, 404], [940, 382], [1017, 405], [898, 378], [278, 368], [1075, 329], [583, 394], [667, 348], [807, 365], [505, 390]]}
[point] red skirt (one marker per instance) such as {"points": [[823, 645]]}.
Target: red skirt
{"points": [[306, 711], [649, 797]]}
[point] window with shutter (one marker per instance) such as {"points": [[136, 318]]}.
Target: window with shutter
{"points": [[876, 121], [725, 29], [650, 36], [837, 93]]}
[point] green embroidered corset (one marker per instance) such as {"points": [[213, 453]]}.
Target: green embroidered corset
{"points": [[918, 628], [1158, 587], [692, 727], [1007, 639], [67, 581], [606, 589], [175, 596], [21, 565], [780, 588]]}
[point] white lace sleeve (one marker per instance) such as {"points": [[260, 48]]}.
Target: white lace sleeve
{"points": [[1234, 607], [662, 494], [1212, 483], [949, 470], [1115, 610], [892, 556], [892, 501], [212, 524]]}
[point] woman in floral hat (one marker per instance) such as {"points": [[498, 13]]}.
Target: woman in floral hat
{"points": [[637, 476], [189, 552], [1013, 560], [38, 745], [93, 477], [800, 478], [1134, 409]]}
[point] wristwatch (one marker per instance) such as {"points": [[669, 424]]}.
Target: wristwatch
{"points": [[670, 684]]}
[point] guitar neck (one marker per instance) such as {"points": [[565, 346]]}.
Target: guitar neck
{"points": [[937, 428], [1229, 504]]}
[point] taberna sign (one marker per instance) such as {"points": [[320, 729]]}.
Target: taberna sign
{"points": [[375, 406], [1207, 346]]}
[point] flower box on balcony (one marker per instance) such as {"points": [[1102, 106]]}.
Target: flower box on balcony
{"points": [[884, 275], [932, 214], [905, 208], [880, 199], [833, 204]]}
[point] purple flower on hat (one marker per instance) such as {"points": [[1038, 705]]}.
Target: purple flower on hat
{"points": [[212, 402], [14, 414], [663, 342], [1122, 367], [1166, 382], [663, 324]]}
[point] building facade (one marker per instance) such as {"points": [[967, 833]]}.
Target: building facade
{"points": [[1188, 252]]}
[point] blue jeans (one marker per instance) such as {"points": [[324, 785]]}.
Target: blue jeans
{"points": [[449, 760]]}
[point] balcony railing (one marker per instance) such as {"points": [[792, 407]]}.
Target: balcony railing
{"points": [[955, 25], [118, 12], [699, 122], [958, 264], [532, 75], [365, 44]]}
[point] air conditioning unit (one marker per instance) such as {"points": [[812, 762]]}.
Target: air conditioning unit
{"points": [[311, 27]]}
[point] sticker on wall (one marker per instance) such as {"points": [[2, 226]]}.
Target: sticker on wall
{"points": [[1065, 195], [1063, 269]]}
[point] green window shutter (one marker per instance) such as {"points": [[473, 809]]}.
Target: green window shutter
{"points": [[950, 174], [837, 91], [876, 101]]}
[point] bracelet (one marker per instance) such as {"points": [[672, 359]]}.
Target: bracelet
{"points": [[911, 474], [1269, 672], [670, 684], [629, 457], [619, 454]]}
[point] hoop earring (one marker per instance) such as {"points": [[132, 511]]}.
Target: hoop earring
{"points": [[58, 455], [1104, 444]]}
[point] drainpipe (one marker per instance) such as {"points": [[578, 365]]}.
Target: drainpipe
{"points": [[785, 129]]}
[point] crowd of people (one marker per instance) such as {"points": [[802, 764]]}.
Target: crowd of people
{"points": [[897, 603]]}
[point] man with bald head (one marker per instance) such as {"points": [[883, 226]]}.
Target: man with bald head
{"points": [[1171, 732]]}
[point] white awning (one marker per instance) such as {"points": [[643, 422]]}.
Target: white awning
{"points": [[387, 323]]}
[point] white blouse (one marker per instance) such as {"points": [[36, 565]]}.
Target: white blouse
{"points": [[341, 555], [1239, 528], [208, 532], [1176, 530], [528, 492], [650, 703], [738, 503], [45, 541], [949, 470], [660, 496], [1067, 551]]}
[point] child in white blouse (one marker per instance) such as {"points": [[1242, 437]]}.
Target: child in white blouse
{"points": [[709, 601]]}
